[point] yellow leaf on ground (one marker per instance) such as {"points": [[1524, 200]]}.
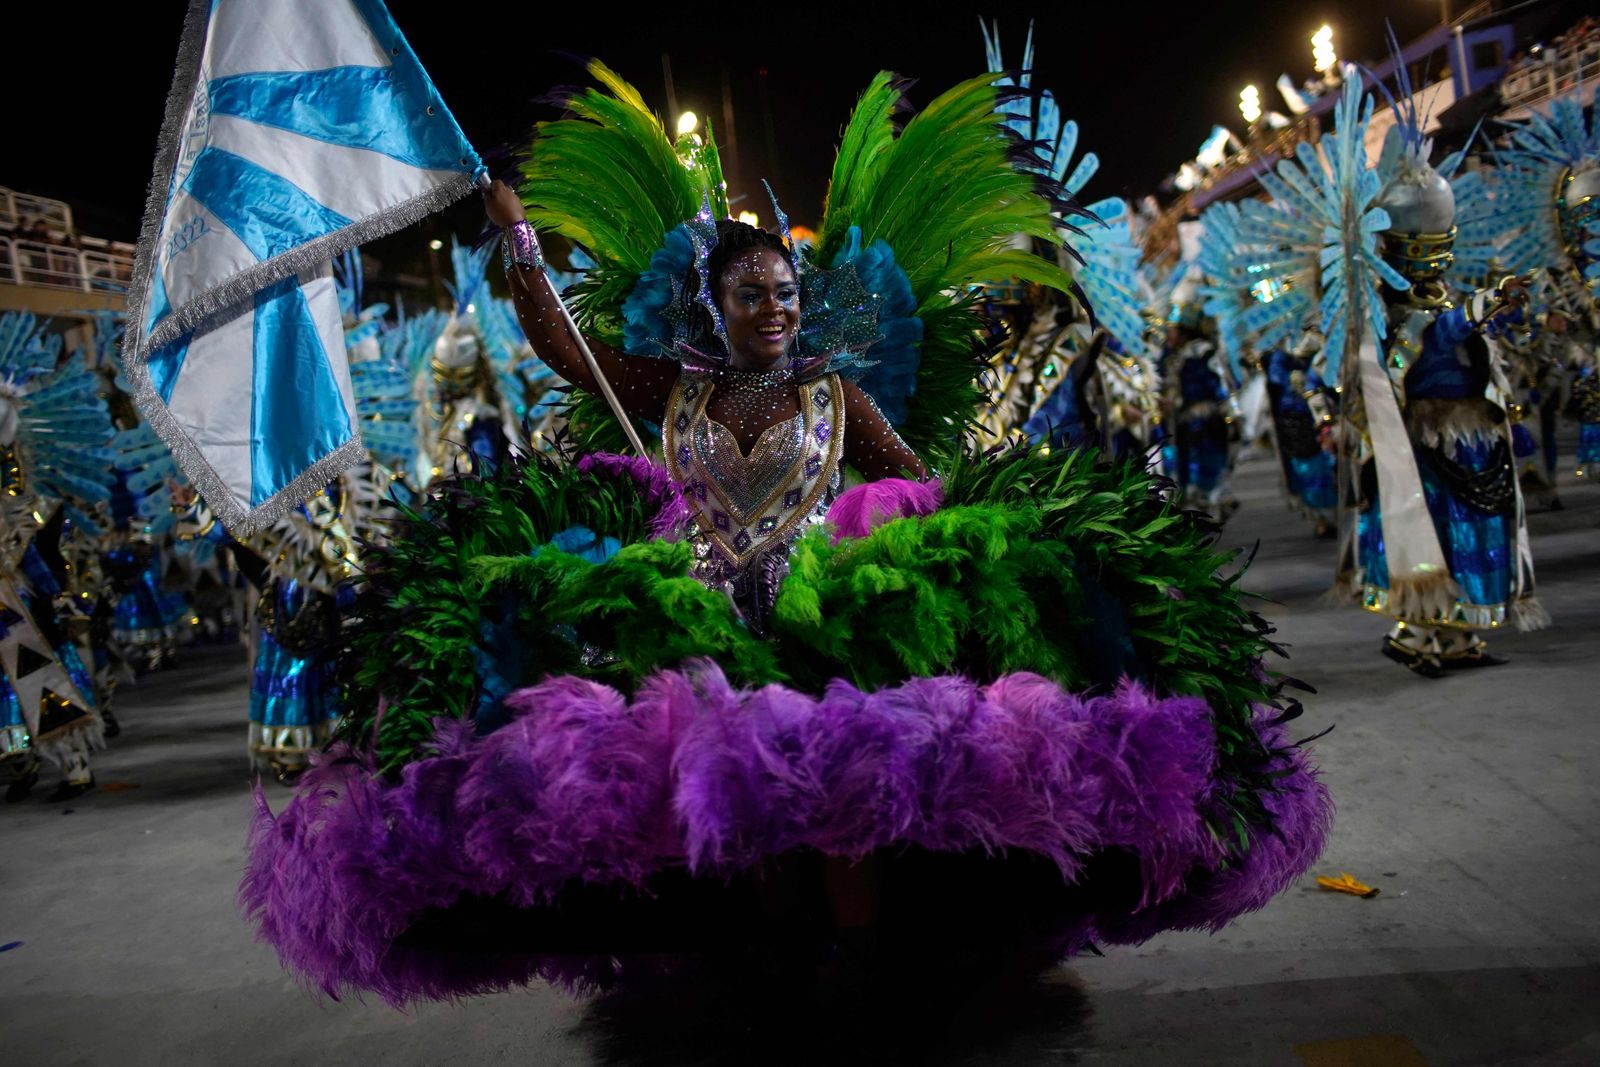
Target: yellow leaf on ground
{"points": [[1346, 884]]}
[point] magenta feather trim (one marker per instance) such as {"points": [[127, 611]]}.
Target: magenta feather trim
{"points": [[862, 508], [659, 489], [585, 786]]}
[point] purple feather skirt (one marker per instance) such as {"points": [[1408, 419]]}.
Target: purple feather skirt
{"points": [[594, 833]]}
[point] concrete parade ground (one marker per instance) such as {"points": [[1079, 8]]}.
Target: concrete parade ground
{"points": [[1472, 802]]}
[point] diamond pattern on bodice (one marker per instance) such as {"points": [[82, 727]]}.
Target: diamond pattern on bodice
{"points": [[751, 507], [749, 482]]}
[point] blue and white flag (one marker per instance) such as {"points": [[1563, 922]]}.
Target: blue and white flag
{"points": [[295, 130]]}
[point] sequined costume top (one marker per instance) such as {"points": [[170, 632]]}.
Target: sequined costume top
{"points": [[750, 508], [1448, 374]]}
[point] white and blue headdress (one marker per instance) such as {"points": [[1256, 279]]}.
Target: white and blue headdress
{"points": [[54, 419], [384, 402], [1481, 227], [1104, 259], [1548, 186], [1110, 278], [1314, 245], [1418, 198], [362, 323], [1037, 119], [1225, 294]]}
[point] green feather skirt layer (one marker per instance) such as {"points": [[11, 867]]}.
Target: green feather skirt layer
{"points": [[1043, 563]]}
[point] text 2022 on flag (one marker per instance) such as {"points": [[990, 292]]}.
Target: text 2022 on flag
{"points": [[295, 129]]}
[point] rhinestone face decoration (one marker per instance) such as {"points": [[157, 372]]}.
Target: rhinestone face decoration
{"points": [[823, 431], [792, 499], [767, 525]]}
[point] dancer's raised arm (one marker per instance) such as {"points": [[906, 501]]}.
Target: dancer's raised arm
{"points": [[642, 384]]}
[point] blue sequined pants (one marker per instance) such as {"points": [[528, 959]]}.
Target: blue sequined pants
{"points": [[1313, 480], [1478, 546], [1589, 443], [288, 690]]}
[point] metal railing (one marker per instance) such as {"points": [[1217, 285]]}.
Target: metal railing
{"points": [[1554, 75], [1261, 152], [59, 267], [16, 209]]}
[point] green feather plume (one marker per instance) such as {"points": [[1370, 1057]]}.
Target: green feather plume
{"points": [[867, 141], [610, 178], [947, 195]]}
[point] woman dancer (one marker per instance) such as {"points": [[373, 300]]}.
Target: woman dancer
{"points": [[601, 715]]}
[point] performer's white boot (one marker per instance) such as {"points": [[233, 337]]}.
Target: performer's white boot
{"points": [[1430, 651]]}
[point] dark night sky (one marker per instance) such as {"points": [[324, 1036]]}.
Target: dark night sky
{"points": [[1145, 81]]}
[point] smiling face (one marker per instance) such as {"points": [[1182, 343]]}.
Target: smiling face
{"points": [[760, 303]]}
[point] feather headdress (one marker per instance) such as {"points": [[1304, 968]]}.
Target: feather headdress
{"points": [[1313, 246], [54, 417], [916, 216], [1547, 185]]}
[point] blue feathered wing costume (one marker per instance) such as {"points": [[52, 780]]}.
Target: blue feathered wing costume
{"points": [[1547, 193], [55, 465]]}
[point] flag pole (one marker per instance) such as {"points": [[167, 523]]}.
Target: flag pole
{"points": [[588, 356]]}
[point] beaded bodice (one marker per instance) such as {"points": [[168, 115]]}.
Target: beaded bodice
{"points": [[750, 508]]}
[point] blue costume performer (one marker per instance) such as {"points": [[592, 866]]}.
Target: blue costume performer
{"points": [[1041, 338], [302, 566], [1548, 192], [1199, 407], [293, 689], [54, 470], [1069, 380], [1463, 563], [1100, 389], [1455, 413], [1439, 541], [1302, 406]]}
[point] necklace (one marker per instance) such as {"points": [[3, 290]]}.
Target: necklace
{"points": [[756, 395], [758, 379]]}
